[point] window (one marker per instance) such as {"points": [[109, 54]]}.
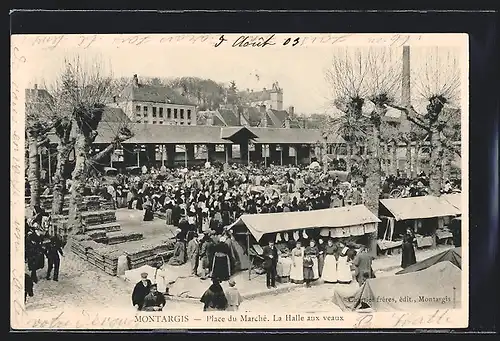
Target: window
{"points": [[145, 111], [154, 111], [161, 122], [189, 114], [182, 114], [175, 113], [138, 108], [154, 122], [138, 121], [169, 113], [161, 113]]}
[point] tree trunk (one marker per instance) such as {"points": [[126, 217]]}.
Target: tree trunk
{"points": [[408, 159], [373, 180], [394, 158], [434, 164], [348, 159], [59, 188], [33, 171], [82, 148], [416, 163], [446, 165], [324, 157]]}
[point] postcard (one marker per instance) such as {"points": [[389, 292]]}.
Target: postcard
{"points": [[239, 181]]}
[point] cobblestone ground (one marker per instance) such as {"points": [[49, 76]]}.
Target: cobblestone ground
{"points": [[83, 286]]}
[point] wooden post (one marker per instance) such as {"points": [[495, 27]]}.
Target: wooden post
{"points": [[185, 156], [138, 151], [249, 260], [162, 157], [265, 155], [50, 168], [296, 155]]}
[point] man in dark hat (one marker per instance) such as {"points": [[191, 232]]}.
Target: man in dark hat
{"points": [[154, 301], [141, 290], [270, 254]]}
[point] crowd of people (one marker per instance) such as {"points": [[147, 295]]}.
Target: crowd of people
{"points": [[203, 201]]}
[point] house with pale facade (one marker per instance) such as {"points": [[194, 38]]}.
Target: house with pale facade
{"points": [[149, 104]]}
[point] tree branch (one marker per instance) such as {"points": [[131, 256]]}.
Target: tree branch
{"points": [[411, 115]]}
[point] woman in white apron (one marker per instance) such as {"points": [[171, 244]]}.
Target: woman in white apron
{"points": [[297, 271], [344, 274], [312, 251], [329, 274]]}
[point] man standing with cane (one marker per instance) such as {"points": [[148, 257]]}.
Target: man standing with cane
{"points": [[270, 254]]}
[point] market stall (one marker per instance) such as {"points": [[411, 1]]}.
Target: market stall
{"points": [[353, 225], [428, 216]]}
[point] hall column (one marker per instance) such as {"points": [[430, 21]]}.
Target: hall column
{"points": [[274, 154], [189, 155], [151, 155], [210, 152], [170, 150], [285, 153], [257, 154], [244, 152], [228, 149]]}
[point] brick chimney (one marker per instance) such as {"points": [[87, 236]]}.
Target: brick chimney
{"points": [[135, 81], [263, 116], [210, 118], [406, 94], [406, 88]]}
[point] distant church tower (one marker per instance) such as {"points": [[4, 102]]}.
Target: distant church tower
{"points": [[276, 97]]}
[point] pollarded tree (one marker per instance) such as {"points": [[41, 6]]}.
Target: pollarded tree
{"points": [[437, 88], [38, 124], [364, 82], [84, 88]]}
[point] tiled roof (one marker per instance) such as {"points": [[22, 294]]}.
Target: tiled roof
{"points": [[152, 133], [230, 117], [252, 115], [111, 114], [229, 132], [156, 94], [285, 135]]}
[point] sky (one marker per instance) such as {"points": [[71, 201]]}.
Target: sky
{"points": [[300, 70]]}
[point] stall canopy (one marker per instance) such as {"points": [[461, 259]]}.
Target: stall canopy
{"points": [[455, 199], [442, 280], [453, 256], [419, 207], [261, 224]]}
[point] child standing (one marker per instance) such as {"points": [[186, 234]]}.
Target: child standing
{"points": [[308, 270]]}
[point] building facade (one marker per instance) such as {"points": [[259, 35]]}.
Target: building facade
{"points": [[270, 98], [155, 105]]}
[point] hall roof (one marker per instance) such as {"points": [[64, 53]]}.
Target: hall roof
{"points": [[198, 134]]}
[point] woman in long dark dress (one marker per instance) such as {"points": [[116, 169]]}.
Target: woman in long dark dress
{"points": [[407, 249], [214, 298], [148, 210], [221, 268]]}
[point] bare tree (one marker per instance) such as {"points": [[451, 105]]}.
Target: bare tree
{"points": [[364, 82], [82, 91], [37, 127], [437, 86]]}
